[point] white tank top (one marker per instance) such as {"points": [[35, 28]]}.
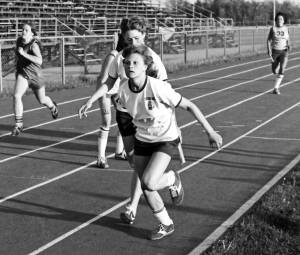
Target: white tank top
{"points": [[280, 37]]}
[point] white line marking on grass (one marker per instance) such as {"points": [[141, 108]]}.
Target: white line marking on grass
{"points": [[273, 138], [213, 237], [224, 226]]}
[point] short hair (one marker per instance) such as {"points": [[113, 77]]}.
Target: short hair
{"points": [[134, 23], [144, 51], [280, 14]]}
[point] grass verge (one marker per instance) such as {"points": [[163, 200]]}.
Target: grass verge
{"points": [[272, 227]]}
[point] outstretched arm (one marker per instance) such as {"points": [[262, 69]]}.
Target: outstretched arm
{"points": [[214, 138], [100, 92]]}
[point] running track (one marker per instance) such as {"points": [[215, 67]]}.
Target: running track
{"points": [[54, 201]]}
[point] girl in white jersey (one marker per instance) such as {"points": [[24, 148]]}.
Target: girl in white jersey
{"points": [[278, 47], [135, 32], [151, 103]]}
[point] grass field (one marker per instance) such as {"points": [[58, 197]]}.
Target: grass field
{"points": [[271, 227]]}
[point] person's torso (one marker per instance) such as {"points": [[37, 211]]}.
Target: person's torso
{"points": [[24, 65], [280, 37], [152, 111]]}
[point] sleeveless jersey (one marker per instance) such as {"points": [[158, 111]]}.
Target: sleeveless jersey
{"points": [[26, 67], [279, 37]]}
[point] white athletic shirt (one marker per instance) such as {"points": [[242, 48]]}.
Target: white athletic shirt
{"points": [[152, 109], [115, 88], [279, 37], [116, 70]]}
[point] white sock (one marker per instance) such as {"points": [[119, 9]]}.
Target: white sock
{"points": [[163, 217], [278, 80], [102, 142], [119, 145]]}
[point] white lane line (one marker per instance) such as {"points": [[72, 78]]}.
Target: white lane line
{"points": [[48, 146], [180, 78], [44, 107], [62, 237], [225, 68], [48, 122], [239, 84], [109, 170], [273, 138], [231, 126], [207, 94], [183, 126], [71, 232], [240, 102], [229, 75], [214, 236]]}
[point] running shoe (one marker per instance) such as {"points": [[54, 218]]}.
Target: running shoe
{"points": [[121, 156], [127, 217], [54, 111], [102, 163], [176, 190], [17, 130], [276, 91], [161, 231]]}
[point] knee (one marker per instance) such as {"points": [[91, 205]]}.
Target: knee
{"points": [[17, 97], [148, 184]]}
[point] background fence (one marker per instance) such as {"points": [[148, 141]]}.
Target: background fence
{"points": [[66, 58]]}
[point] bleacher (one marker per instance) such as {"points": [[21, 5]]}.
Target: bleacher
{"points": [[92, 16], [54, 18]]}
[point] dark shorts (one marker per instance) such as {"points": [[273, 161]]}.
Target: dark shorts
{"points": [[279, 55], [34, 82], [147, 149], [124, 120]]}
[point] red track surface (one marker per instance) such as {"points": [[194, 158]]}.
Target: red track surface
{"points": [[54, 201]]}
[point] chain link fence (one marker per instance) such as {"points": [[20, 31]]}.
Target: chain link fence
{"points": [[69, 57]]}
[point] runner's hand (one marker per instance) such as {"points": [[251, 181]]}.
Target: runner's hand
{"points": [[83, 109], [215, 140]]}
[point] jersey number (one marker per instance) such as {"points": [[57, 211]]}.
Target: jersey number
{"points": [[280, 33]]}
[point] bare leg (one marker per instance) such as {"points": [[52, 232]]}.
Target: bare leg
{"points": [[152, 173], [135, 187], [42, 98], [21, 86]]}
